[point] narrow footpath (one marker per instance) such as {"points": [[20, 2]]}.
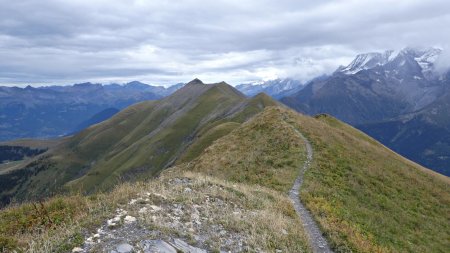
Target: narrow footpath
{"points": [[317, 241]]}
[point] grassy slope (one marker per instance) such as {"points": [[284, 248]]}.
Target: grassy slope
{"points": [[264, 151], [153, 152], [141, 140], [365, 197], [261, 166], [369, 199]]}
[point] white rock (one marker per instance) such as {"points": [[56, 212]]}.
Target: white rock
{"points": [[96, 236], [143, 210], [158, 246], [124, 248], [77, 249], [113, 222], [160, 195], [155, 208], [184, 247], [129, 219]]}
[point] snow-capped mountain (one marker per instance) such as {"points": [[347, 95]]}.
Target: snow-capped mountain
{"points": [[273, 88], [422, 57], [398, 97]]}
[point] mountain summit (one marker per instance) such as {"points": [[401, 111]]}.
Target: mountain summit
{"points": [[417, 58], [380, 93], [196, 81], [176, 128]]}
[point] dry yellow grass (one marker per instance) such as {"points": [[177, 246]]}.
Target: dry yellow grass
{"points": [[264, 218]]}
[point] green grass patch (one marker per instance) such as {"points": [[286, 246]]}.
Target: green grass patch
{"points": [[264, 151], [369, 199]]}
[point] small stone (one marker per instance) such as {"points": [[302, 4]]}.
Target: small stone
{"points": [[96, 236], [124, 248], [155, 208], [143, 210], [113, 222], [284, 232], [77, 250], [129, 219], [278, 251], [157, 246], [159, 195]]}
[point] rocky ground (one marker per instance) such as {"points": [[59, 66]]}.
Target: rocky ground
{"points": [[189, 215]]}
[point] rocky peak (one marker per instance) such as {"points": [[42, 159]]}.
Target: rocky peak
{"points": [[196, 81], [413, 59]]}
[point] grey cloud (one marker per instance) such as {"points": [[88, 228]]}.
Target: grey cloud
{"points": [[166, 42]]}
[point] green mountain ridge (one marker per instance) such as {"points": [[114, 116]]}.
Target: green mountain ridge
{"points": [[139, 141], [211, 147]]}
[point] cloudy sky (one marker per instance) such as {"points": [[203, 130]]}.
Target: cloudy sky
{"points": [[165, 42]]}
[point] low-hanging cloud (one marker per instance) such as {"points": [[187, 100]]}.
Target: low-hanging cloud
{"points": [[163, 42], [442, 64]]}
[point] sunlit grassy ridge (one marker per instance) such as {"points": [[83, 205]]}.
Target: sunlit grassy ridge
{"points": [[369, 199], [365, 197], [140, 141], [264, 151]]}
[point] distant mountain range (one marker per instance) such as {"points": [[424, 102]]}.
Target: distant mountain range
{"points": [[46, 112], [398, 97], [276, 88], [139, 141]]}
